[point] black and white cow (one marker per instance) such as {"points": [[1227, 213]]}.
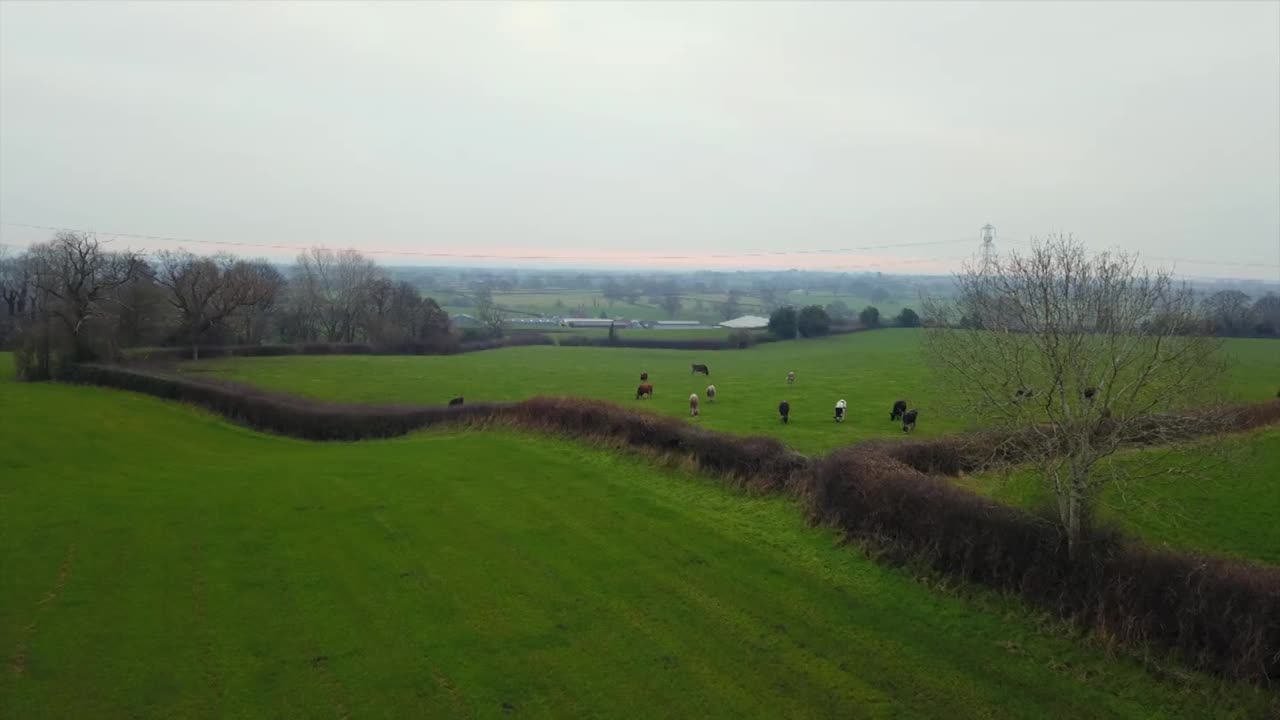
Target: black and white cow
{"points": [[899, 407]]}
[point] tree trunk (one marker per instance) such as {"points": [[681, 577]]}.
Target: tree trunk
{"points": [[1075, 526]]}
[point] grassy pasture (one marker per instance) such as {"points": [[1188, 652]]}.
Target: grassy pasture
{"points": [[1229, 508], [158, 562], [870, 370]]}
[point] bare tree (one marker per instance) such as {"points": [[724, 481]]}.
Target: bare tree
{"points": [[207, 290], [488, 313], [75, 275], [263, 286], [143, 314], [1070, 357], [1229, 311], [15, 282], [334, 286], [1265, 315]]}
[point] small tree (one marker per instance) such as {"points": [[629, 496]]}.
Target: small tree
{"points": [[870, 316], [908, 318], [1070, 357], [672, 304], [784, 323], [813, 321], [488, 313]]}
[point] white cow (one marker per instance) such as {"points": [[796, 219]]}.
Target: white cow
{"points": [[841, 406], [693, 405], [711, 393]]}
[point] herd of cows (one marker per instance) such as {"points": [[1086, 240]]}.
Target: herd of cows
{"points": [[899, 411], [645, 390]]}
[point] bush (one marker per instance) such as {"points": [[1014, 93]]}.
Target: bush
{"points": [[1219, 615], [870, 316], [813, 321], [908, 318], [783, 323]]}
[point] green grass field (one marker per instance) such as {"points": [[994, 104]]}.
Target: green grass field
{"points": [[592, 303], [1228, 507], [870, 370], [158, 562]]}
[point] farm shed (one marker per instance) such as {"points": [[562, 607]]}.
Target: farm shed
{"points": [[746, 322]]}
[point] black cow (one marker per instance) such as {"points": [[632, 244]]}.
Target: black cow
{"points": [[899, 407], [644, 377], [784, 409], [1024, 393], [1090, 392], [909, 421], [695, 368], [456, 401]]}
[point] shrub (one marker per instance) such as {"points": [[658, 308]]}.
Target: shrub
{"points": [[1219, 615], [813, 321], [783, 323], [908, 318], [870, 316]]}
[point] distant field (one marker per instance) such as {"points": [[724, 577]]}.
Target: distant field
{"points": [[1230, 507], [871, 370], [593, 303], [158, 562]]}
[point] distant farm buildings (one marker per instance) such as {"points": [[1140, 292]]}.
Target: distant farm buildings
{"points": [[746, 322], [595, 323]]}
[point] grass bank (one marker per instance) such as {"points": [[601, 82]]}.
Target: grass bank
{"points": [[158, 561]]}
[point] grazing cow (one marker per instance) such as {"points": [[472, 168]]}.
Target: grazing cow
{"points": [[841, 405], [711, 393], [791, 377], [784, 409], [693, 405], [456, 401], [1090, 392], [695, 368], [645, 390], [644, 377], [1023, 393], [899, 407], [909, 421]]}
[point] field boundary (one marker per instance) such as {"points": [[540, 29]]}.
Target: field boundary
{"points": [[452, 346], [1216, 614]]}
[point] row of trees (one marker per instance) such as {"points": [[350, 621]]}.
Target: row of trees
{"points": [[1234, 314], [815, 320], [75, 299]]}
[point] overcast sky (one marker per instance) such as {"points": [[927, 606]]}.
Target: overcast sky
{"points": [[619, 132]]}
